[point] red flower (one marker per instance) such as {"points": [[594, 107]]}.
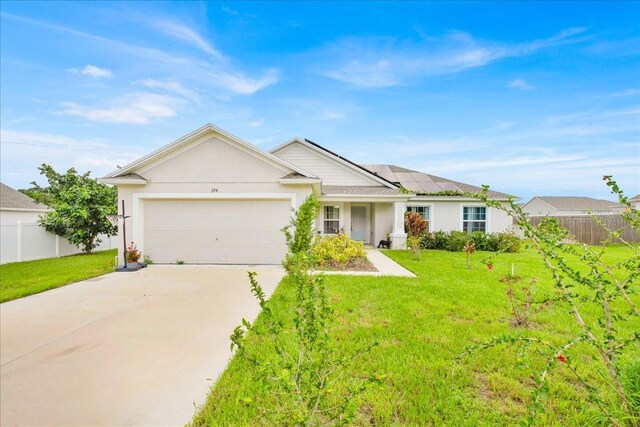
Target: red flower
{"points": [[490, 266], [562, 358]]}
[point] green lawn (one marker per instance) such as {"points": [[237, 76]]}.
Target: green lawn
{"points": [[20, 279], [422, 324]]}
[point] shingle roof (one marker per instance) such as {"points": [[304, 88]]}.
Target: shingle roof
{"points": [[12, 199], [635, 198], [424, 183], [374, 190], [571, 203]]}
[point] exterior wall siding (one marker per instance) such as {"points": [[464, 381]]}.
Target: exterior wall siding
{"points": [[331, 172]]}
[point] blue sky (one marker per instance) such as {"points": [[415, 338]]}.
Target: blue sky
{"points": [[530, 98]]}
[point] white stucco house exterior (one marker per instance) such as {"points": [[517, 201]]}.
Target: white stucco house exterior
{"points": [[210, 197]]}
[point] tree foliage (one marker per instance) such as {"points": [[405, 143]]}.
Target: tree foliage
{"points": [[79, 206]]}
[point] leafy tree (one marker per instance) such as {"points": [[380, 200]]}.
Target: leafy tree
{"points": [[80, 205]]}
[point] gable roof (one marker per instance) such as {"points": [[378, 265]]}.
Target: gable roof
{"points": [[635, 198], [572, 203], [424, 183], [127, 171], [12, 199], [339, 159]]}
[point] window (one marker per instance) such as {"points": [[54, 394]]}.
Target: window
{"points": [[331, 220], [474, 218], [423, 211]]}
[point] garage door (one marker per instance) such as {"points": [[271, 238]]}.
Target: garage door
{"points": [[215, 231]]}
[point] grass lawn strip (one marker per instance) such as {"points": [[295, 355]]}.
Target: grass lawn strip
{"points": [[20, 279], [422, 324]]}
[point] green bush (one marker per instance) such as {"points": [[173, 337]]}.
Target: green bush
{"points": [[436, 240], [455, 241], [481, 240], [507, 242], [337, 251]]}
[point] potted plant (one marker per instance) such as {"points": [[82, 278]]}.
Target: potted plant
{"points": [[133, 254]]}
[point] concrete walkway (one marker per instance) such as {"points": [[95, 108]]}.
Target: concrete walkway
{"points": [[122, 349], [385, 266]]}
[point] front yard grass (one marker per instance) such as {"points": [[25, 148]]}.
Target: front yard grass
{"points": [[422, 324], [20, 279]]}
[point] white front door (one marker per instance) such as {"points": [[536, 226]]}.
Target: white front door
{"points": [[359, 223]]}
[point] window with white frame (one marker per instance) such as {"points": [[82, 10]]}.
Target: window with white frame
{"points": [[331, 220], [474, 218], [423, 211]]}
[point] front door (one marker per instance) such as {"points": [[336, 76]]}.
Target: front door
{"points": [[359, 223]]}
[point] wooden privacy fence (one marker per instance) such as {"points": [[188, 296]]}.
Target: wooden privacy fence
{"points": [[584, 228]]}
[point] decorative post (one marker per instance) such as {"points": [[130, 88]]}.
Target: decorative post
{"points": [[124, 236], [113, 219]]}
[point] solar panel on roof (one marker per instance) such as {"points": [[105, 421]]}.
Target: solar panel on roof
{"points": [[448, 186], [429, 187]]}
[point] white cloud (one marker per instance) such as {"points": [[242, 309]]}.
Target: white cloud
{"points": [[230, 11], [219, 74], [376, 62], [241, 84], [136, 108], [92, 71], [561, 154], [624, 93], [520, 84], [182, 32], [62, 152], [170, 86]]}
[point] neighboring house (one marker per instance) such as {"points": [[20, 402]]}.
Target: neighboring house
{"points": [[561, 206], [17, 214], [210, 197], [635, 201], [22, 238], [15, 206]]}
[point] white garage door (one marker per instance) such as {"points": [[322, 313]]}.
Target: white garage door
{"points": [[215, 231]]}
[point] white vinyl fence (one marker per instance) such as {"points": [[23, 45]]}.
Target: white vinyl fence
{"points": [[29, 241]]}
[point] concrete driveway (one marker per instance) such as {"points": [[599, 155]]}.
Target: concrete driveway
{"points": [[122, 349]]}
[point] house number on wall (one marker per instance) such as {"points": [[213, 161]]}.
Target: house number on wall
{"points": [[214, 190]]}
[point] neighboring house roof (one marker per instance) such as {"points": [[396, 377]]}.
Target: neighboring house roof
{"points": [[424, 183], [127, 170], [571, 203], [12, 199], [360, 190], [635, 198]]}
